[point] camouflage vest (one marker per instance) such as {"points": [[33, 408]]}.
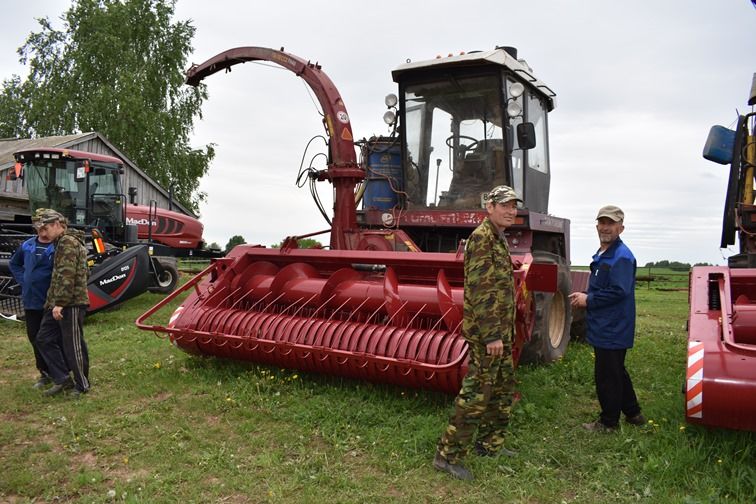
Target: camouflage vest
{"points": [[489, 287], [68, 286]]}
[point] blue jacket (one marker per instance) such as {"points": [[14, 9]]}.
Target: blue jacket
{"points": [[610, 316], [33, 274]]}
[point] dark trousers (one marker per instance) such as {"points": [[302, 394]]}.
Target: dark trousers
{"points": [[63, 347], [613, 386], [33, 320]]}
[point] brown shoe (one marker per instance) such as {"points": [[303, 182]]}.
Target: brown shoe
{"points": [[457, 470], [638, 419], [597, 426]]}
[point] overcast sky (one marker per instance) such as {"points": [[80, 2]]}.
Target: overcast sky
{"points": [[638, 86]]}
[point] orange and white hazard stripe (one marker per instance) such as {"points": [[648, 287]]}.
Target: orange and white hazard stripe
{"points": [[174, 317], [694, 380]]}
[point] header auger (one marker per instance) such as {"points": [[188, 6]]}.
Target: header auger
{"points": [[384, 303]]}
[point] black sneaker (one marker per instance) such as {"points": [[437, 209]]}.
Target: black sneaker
{"points": [[598, 426], [638, 419], [76, 393], [457, 470], [42, 382], [482, 451], [59, 387]]}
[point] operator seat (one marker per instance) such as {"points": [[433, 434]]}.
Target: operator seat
{"points": [[477, 172]]}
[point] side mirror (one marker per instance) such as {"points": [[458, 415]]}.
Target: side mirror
{"points": [[526, 136], [132, 195]]}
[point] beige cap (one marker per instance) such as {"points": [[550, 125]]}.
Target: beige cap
{"points": [[501, 194], [612, 212], [46, 216]]}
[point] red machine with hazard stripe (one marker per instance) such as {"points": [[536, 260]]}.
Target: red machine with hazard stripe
{"points": [[384, 302], [720, 384]]}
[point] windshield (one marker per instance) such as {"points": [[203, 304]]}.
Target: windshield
{"points": [[455, 142], [65, 185]]}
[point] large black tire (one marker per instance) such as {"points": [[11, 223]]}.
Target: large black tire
{"points": [[167, 280], [551, 332]]}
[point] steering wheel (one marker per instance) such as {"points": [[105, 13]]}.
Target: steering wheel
{"points": [[463, 146]]}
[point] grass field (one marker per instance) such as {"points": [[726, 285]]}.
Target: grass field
{"points": [[162, 426]]}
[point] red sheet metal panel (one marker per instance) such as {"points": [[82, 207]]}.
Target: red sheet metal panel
{"points": [[720, 381]]}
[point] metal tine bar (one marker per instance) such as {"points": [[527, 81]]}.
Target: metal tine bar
{"points": [[375, 313], [216, 293], [337, 310], [356, 310], [271, 303], [304, 305], [416, 315], [252, 308], [323, 305], [241, 298], [223, 301], [398, 311], [440, 319], [292, 305]]}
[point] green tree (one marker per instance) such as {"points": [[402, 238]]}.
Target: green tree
{"points": [[233, 242], [116, 67]]}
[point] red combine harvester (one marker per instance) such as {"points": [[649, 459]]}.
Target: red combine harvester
{"points": [[720, 385], [127, 255], [385, 302]]}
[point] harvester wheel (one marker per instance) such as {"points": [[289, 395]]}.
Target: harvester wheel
{"points": [[553, 313], [167, 280]]}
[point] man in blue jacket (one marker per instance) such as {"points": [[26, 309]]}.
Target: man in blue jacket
{"points": [[31, 266], [610, 320]]}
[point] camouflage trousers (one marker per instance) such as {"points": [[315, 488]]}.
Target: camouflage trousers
{"points": [[482, 408]]}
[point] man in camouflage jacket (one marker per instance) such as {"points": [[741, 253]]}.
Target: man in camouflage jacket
{"points": [[484, 402], [61, 334]]}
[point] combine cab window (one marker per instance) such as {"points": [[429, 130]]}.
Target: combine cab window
{"points": [[94, 200], [517, 153], [455, 142], [537, 156]]}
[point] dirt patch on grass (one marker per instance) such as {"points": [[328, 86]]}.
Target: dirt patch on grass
{"points": [[162, 396], [85, 459]]}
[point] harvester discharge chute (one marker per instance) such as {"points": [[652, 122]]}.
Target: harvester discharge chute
{"points": [[373, 306]]}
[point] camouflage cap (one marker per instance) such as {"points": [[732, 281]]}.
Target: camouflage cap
{"points": [[501, 194], [612, 212], [45, 216]]}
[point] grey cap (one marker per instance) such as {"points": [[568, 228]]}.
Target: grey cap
{"points": [[612, 212], [501, 194]]}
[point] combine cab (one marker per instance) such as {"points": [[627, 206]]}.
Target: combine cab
{"points": [[385, 302], [86, 188], [720, 386]]}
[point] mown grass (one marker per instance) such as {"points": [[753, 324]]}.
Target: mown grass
{"points": [[163, 426]]}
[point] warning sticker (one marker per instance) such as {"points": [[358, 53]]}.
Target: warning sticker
{"points": [[342, 116], [346, 134]]}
